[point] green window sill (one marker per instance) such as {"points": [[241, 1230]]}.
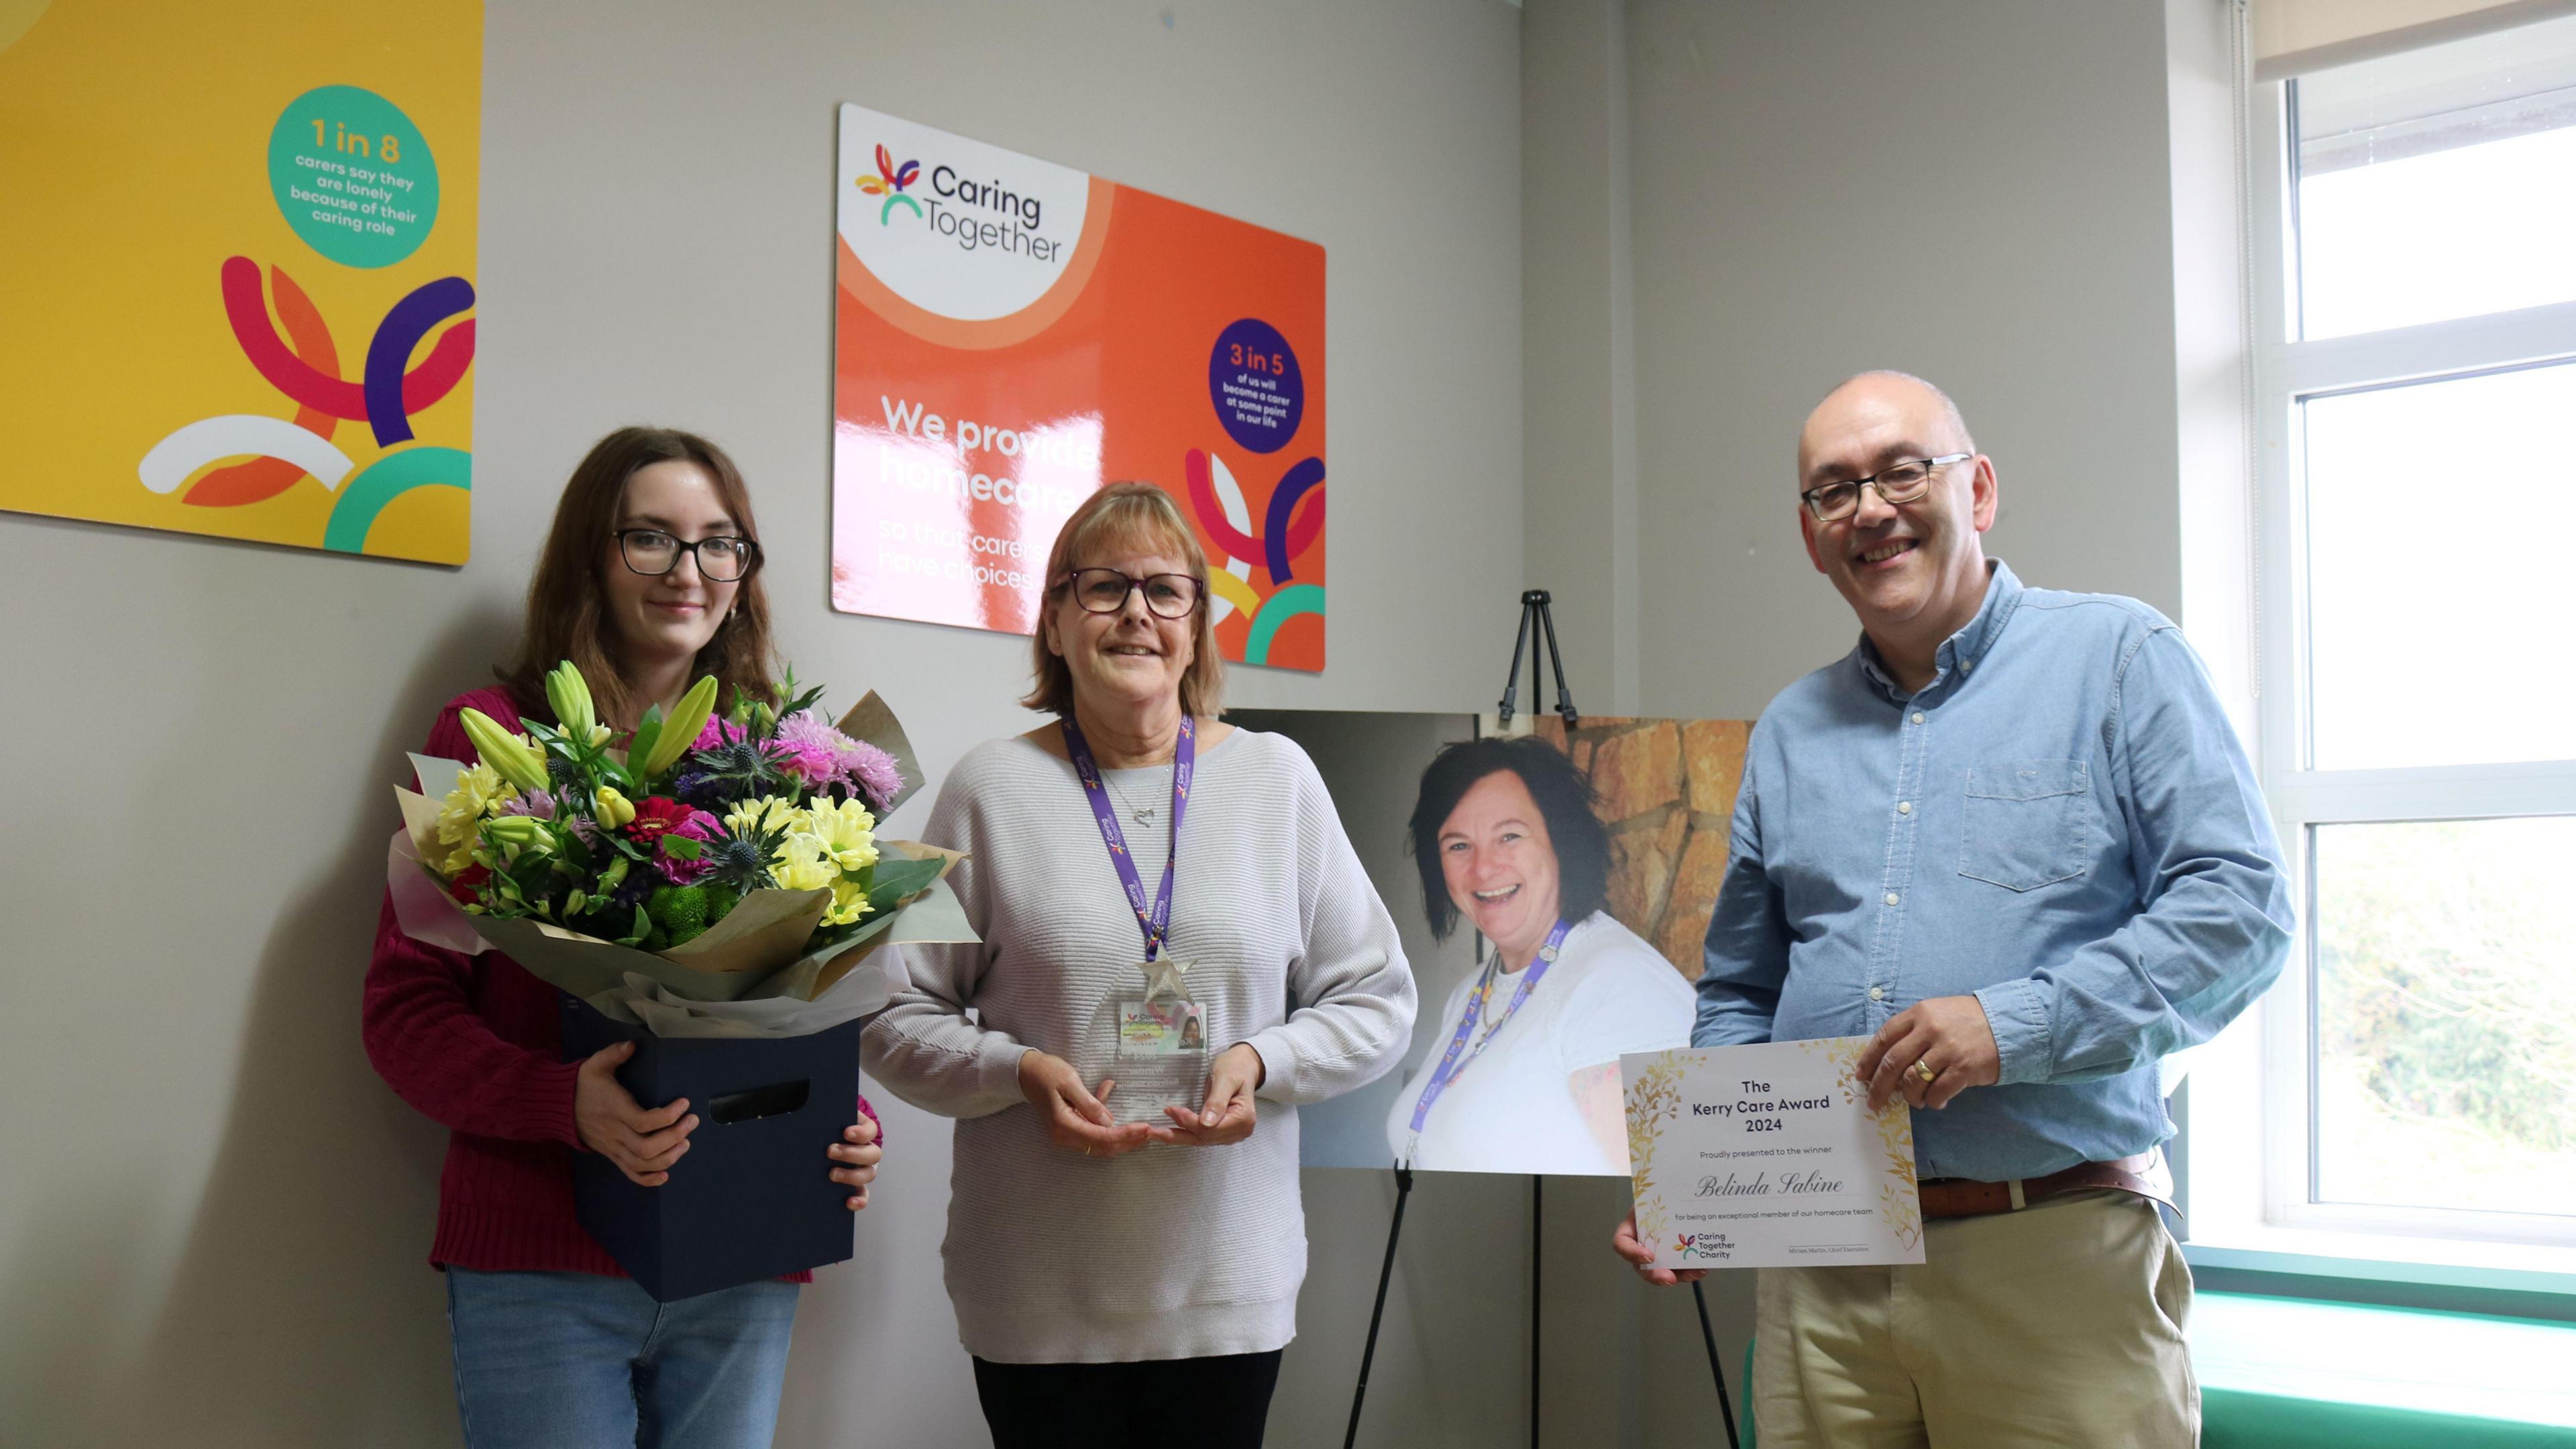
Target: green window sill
{"points": [[2287, 1373]]}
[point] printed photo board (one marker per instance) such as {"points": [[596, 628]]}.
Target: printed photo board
{"points": [[1532, 1084]]}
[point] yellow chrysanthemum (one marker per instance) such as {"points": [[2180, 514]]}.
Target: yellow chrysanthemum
{"points": [[848, 903], [801, 865], [479, 791], [847, 831], [754, 817]]}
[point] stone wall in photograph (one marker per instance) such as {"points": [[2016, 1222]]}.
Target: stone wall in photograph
{"points": [[1667, 791]]}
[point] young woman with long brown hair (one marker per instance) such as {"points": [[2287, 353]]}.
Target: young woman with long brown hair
{"points": [[649, 579]]}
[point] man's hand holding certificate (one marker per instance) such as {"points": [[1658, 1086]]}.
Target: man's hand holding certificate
{"points": [[1768, 1156]]}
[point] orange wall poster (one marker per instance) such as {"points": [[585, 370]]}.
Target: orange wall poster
{"points": [[240, 241], [1012, 334]]}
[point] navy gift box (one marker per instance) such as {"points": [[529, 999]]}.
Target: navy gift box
{"points": [[752, 1198]]}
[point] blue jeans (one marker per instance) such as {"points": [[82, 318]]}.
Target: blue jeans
{"points": [[579, 1361]]}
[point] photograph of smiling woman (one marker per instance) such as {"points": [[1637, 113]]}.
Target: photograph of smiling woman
{"points": [[1524, 1070]]}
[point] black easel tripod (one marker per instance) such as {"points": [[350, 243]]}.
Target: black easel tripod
{"points": [[1536, 636]]}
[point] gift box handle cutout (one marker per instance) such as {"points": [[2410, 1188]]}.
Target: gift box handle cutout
{"points": [[775, 1100]]}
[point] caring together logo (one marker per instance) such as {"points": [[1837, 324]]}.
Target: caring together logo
{"points": [[890, 183], [1702, 1246], [1014, 228]]}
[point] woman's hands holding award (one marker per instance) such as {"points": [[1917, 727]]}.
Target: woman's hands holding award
{"points": [[1228, 1116], [1076, 1119]]}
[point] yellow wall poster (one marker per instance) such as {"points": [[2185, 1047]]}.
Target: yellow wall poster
{"points": [[239, 247]]}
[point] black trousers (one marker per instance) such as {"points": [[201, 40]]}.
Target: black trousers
{"points": [[1183, 1403]]}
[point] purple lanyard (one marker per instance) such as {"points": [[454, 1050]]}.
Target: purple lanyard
{"points": [[1451, 1068], [1157, 923]]}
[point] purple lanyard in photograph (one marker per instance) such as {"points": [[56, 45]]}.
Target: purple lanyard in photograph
{"points": [[1157, 922], [1451, 1067]]}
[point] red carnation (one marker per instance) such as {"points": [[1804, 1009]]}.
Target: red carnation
{"points": [[468, 883], [655, 816]]}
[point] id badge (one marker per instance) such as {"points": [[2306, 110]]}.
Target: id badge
{"points": [[1161, 1056]]}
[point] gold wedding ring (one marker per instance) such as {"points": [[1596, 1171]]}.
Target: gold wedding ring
{"points": [[1924, 1070]]}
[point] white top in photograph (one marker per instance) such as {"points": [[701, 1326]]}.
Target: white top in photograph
{"points": [[1512, 1109]]}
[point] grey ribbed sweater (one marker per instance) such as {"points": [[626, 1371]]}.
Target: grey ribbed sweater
{"points": [[1171, 1252]]}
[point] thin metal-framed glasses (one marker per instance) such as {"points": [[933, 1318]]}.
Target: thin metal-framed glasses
{"points": [[1105, 591], [653, 553], [1896, 483]]}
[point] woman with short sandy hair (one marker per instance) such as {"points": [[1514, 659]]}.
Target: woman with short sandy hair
{"points": [[1136, 867]]}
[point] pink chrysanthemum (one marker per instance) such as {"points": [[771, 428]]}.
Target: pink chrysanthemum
{"points": [[874, 772], [540, 803], [810, 748], [821, 755], [718, 731]]}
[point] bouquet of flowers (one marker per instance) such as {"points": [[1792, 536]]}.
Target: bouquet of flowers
{"points": [[716, 858]]}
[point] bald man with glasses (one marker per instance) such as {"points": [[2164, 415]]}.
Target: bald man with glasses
{"points": [[2011, 838]]}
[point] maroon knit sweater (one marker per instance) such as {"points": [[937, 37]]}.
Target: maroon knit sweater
{"points": [[472, 1042]]}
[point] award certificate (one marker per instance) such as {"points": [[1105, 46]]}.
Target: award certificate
{"points": [[1768, 1156]]}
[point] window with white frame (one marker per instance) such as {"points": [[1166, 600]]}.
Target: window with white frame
{"points": [[2415, 416]]}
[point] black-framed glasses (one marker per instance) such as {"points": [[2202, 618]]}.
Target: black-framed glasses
{"points": [[1896, 483], [653, 553], [1105, 591]]}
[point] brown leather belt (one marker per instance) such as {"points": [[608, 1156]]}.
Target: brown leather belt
{"points": [[1958, 1197]]}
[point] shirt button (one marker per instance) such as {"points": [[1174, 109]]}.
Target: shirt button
{"points": [[1878, 993], [1965, 665], [1918, 716], [1893, 898], [1904, 807]]}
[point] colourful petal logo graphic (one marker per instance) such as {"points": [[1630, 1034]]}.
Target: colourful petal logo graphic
{"points": [[1288, 532], [890, 183], [305, 366]]}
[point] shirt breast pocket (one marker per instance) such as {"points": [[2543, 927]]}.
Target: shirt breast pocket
{"points": [[2025, 822]]}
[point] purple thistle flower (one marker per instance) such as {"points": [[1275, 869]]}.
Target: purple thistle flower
{"points": [[696, 787], [639, 883]]}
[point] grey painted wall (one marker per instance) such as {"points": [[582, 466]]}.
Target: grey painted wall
{"points": [[213, 1215], [1972, 190]]}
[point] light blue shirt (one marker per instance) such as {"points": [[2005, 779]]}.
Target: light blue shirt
{"points": [[2061, 823]]}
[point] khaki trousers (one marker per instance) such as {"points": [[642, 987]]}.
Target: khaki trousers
{"points": [[2060, 1325]]}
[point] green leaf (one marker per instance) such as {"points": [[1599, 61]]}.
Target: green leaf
{"points": [[681, 847], [530, 875], [640, 748], [891, 881]]}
